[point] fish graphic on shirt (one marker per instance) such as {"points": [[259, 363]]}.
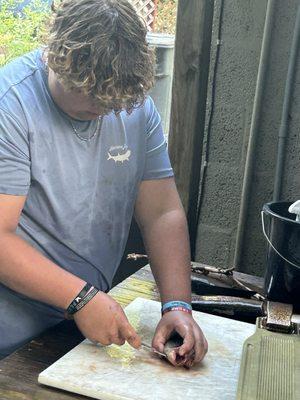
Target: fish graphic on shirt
{"points": [[119, 157]]}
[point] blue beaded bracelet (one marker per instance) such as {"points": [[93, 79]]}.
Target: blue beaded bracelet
{"points": [[171, 304]]}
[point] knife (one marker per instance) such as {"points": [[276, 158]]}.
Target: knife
{"points": [[150, 348]]}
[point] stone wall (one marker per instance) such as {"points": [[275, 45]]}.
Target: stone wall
{"points": [[235, 81]]}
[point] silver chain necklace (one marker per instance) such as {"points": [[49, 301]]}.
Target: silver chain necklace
{"points": [[90, 137], [99, 121]]}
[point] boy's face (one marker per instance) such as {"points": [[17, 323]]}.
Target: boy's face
{"points": [[73, 102]]}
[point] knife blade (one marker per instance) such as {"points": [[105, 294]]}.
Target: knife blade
{"points": [[152, 350]]}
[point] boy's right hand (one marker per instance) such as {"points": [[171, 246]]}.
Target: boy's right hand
{"points": [[102, 320]]}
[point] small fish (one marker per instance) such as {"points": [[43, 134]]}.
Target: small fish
{"points": [[171, 350], [120, 157]]}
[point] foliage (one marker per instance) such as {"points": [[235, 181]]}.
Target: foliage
{"points": [[166, 16], [21, 32], [168, 1]]}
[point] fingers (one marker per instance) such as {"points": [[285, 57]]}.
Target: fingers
{"points": [[161, 336], [201, 346], [190, 362], [111, 324], [194, 347], [199, 350], [128, 334], [174, 358], [117, 340], [107, 341], [186, 332]]}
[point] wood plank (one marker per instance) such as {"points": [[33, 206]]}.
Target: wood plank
{"points": [[19, 372], [141, 284], [191, 69], [254, 282]]}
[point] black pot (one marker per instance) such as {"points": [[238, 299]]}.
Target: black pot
{"points": [[282, 278]]}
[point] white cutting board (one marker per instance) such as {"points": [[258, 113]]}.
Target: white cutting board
{"points": [[115, 373]]}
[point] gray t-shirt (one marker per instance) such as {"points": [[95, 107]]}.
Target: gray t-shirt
{"points": [[80, 194]]}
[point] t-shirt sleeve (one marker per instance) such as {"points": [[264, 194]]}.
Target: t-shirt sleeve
{"points": [[14, 156], [157, 163]]}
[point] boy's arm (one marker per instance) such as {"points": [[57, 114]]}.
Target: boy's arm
{"points": [[164, 228], [27, 271]]}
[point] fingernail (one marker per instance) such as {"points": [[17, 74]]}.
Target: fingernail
{"points": [[159, 348]]}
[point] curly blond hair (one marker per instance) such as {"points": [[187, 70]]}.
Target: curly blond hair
{"points": [[100, 48]]}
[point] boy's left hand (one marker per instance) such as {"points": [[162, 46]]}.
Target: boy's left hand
{"points": [[194, 345]]}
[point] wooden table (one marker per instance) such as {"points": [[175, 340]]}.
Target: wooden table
{"points": [[20, 370]]}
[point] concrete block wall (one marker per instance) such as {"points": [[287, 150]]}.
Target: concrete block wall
{"points": [[241, 36]]}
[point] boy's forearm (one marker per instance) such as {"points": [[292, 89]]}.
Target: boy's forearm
{"points": [[167, 243], [25, 270]]}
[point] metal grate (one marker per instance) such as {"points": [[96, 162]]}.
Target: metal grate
{"points": [[146, 9]]}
